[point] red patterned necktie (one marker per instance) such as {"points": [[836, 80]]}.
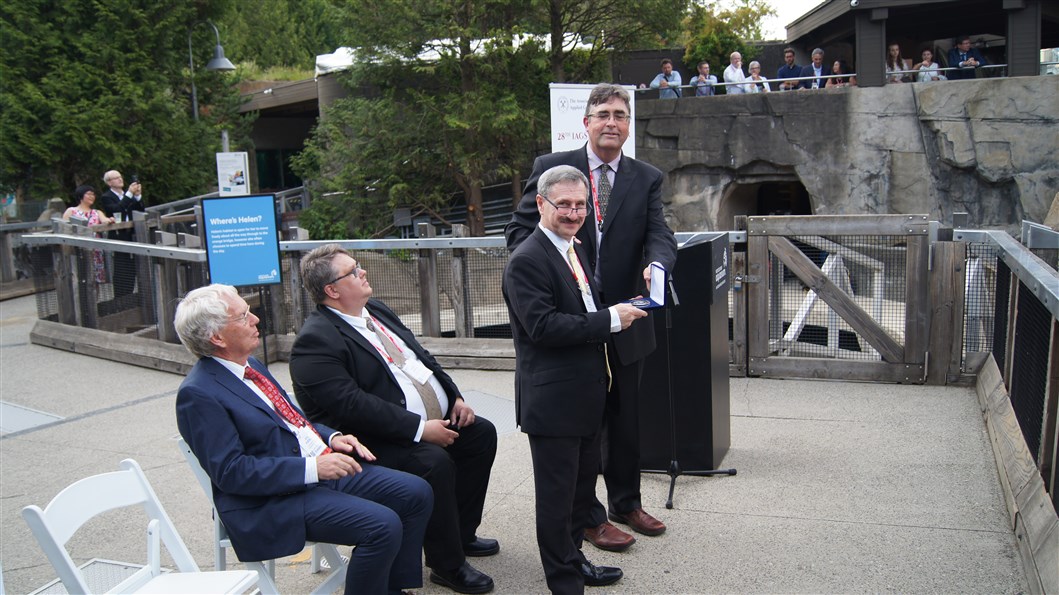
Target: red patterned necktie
{"points": [[283, 408]]}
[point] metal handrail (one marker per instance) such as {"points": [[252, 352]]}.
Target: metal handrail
{"points": [[1030, 269], [834, 76]]}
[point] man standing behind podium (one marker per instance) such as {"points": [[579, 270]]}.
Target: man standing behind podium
{"points": [[626, 231], [561, 374]]}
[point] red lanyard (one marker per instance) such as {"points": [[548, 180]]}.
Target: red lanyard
{"points": [[595, 200]]}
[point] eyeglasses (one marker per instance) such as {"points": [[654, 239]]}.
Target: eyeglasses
{"points": [[243, 318], [354, 273], [564, 210], [604, 116]]}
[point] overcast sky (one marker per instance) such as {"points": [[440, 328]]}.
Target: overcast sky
{"points": [[788, 10]]}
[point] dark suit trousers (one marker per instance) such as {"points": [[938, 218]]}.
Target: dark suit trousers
{"points": [[381, 511], [621, 443], [459, 476], [564, 480]]}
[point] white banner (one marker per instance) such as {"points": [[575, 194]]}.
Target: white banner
{"points": [[568, 102], [233, 174]]}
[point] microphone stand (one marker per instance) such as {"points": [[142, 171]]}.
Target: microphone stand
{"points": [[674, 471]]}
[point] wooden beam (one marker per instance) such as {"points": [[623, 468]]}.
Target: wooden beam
{"points": [[1030, 511], [831, 369], [739, 321], [757, 297], [843, 304], [946, 284], [427, 263], [917, 310], [838, 225]]}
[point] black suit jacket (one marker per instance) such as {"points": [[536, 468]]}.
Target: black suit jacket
{"points": [[808, 71], [635, 233], [964, 73], [112, 203], [251, 456], [560, 375], [341, 380]]}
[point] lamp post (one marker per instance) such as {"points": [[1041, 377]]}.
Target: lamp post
{"points": [[219, 62]]}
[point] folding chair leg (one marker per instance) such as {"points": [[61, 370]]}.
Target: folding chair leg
{"points": [[337, 578], [266, 576]]}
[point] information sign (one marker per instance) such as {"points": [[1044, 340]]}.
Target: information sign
{"points": [[242, 241]]}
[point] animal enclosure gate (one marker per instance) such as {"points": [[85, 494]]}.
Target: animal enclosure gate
{"points": [[862, 297]]}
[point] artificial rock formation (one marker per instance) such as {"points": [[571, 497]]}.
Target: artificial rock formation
{"points": [[988, 147]]}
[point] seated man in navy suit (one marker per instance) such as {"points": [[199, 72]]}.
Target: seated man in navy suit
{"points": [[278, 480]]}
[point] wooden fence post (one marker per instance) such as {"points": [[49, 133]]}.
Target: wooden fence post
{"points": [[165, 290], [427, 263], [461, 287], [946, 286]]}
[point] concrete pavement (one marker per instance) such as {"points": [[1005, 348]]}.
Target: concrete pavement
{"points": [[841, 487]]}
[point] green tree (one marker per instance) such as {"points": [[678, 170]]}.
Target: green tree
{"points": [[89, 86], [457, 104], [607, 26], [457, 95], [283, 32], [713, 33]]}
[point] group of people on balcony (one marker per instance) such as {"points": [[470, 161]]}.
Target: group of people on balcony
{"points": [[118, 205], [962, 57], [817, 74]]}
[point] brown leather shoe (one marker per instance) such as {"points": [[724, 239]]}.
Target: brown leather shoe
{"points": [[639, 521], [610, 538]]}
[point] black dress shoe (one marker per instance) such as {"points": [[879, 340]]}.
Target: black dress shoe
{"points": [[465, 579], [600, 576], [481, 547]]}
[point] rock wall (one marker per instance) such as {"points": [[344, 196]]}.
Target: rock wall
{"points": [[987, 147]]}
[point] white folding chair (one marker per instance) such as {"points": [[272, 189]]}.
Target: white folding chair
{"points": [[266, 570], [80, 502]]}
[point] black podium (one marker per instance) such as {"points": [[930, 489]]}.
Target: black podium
{"points": [[693, 357]]}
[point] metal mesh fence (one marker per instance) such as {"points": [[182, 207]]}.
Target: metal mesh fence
{"points": [[1000, 316], [1049, 256], [980, 297], [870, 269], [1029, 367], [395, 280]]}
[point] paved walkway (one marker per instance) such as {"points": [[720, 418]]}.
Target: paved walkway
{"points": [[841, 487]]}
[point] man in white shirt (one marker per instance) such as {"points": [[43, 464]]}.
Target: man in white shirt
{"points": [[357, 368], [816, 70], [734, 74], [667, 82], [120, 204]]}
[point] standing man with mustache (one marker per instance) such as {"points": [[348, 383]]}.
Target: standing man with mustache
{"points": [[624, 233], [561, 375]]}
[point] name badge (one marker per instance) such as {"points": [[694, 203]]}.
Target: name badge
{"points": [[417, 371], [309, 441]]}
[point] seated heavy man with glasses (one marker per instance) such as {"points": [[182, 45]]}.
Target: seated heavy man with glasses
{"points": [[356, 367]]}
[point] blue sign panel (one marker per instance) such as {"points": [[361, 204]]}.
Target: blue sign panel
{"points": [[242, 240]]}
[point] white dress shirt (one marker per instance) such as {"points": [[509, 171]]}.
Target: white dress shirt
{"points": [[413, 400], [239, 370]]}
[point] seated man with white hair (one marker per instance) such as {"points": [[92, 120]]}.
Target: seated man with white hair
{"points": [[278, 480]]}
